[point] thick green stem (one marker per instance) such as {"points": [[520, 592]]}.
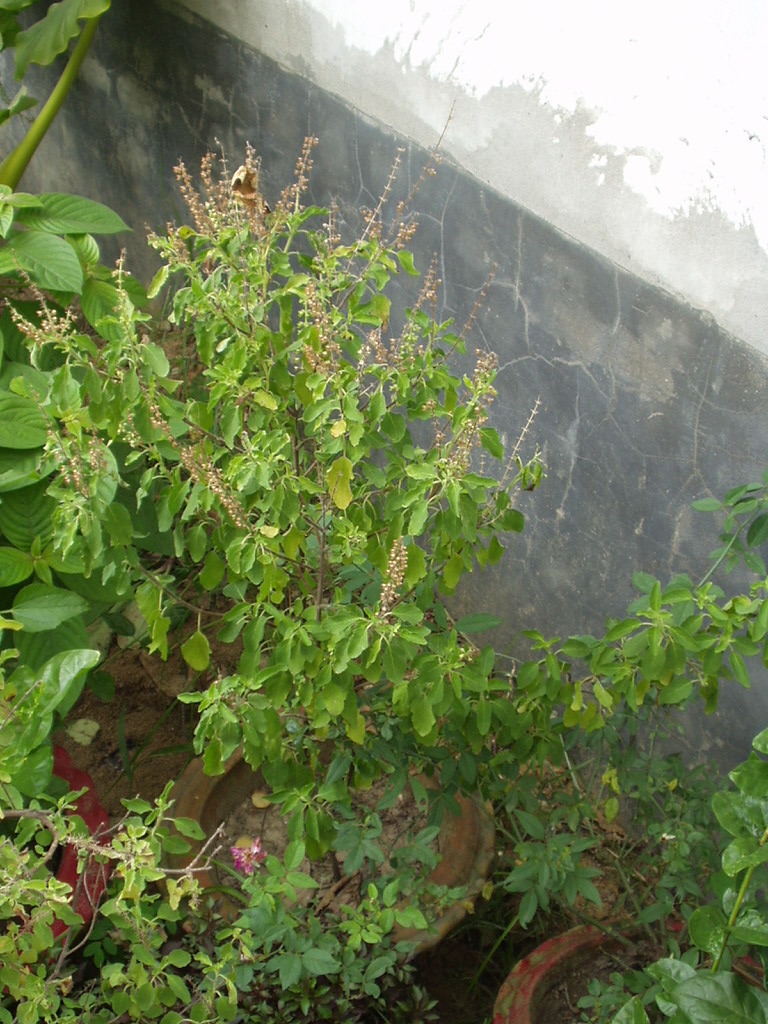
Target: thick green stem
{"points": [[16, 162], [737, 908]]}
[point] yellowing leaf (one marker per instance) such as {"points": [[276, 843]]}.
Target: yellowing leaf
{"points": [[291, 542], [196, 651], [260, 799], [339, 477], [265, 400], [83, 730], [356, 731], [338, 428]]}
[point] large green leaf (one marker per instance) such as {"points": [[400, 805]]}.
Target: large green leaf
{"points": [[34, 771], [50, 261], [39, 607], [720, 998], [18, 469], [27, 514], [632, 1012], [708, 927], [15, 566], [22, 423], [42, 42], [743, 852], [740, 814], [99, 299], [37, 648], [60, 213]]}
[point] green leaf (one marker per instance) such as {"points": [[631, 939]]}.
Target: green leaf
{"points": [[339, 477], [189, 827], [320, 961], [483, 712], [454, 569], [39, 607], [739, 669], [707, 928], [157, 282], [212, 572], [740, 814], [418, 519], [63, 674], [17, 470], [21, 101], [743, 852], [760, 742], [632, 1012], [643, 582], [491, 442], [720, 998], [422, 716], [196, 651], [531, 823], [758, 530], [179, 958], [289, 969], [22, 423], [42, 42], [751, 927], [50, 261], [99, 299], [529, 904], [405, 259], [621, 629], [60, 213], [750, 777], [34, 775], [154, 357], [15, 566], [478, 622]]}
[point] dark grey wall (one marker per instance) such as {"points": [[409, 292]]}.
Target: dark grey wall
{"points": [[645, 403]]}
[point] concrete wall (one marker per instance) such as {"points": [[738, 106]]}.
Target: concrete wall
{"points": [[639, 129], [647, 399]]}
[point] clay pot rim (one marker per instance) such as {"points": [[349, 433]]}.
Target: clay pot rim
{"points": [[194, 789]]}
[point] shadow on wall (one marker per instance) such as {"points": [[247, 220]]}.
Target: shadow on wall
{"points": [[645, 404]]}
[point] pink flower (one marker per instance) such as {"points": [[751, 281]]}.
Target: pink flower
{"points": [[247, 857]]}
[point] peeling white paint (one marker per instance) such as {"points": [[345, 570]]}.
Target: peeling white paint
{"points": [[639, 129], [679, 87]]}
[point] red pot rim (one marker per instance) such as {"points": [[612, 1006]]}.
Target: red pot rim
{"points": [[544, 965]]}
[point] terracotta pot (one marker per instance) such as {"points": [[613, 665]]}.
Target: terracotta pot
{"points": [[87, 884], [531, 980], [466, 840], [533, 977]]}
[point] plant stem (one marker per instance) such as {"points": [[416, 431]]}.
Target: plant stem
{"points": [[737, 907], [14, 165]]}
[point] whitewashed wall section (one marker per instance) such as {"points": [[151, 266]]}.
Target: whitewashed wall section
{"points": [[639, 129]]}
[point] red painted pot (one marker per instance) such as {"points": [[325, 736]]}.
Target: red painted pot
{"points": [[533, 977], [89, 883]]}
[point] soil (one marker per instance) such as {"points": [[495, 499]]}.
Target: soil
{"points": [[144, 736]]}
